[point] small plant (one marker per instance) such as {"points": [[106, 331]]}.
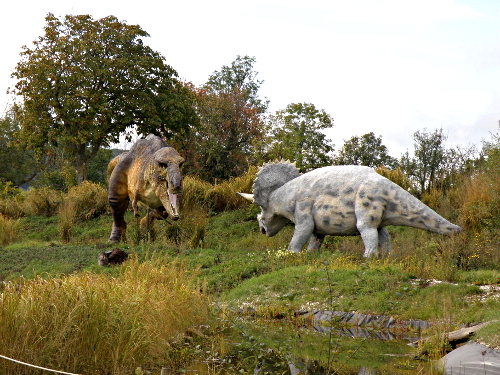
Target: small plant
{"points": [[8, 230], [198, 237], [66, 220]]}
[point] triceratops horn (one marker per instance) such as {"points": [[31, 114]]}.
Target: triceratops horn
{"points": [[247, 196]]}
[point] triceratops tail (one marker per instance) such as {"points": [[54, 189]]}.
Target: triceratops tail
{"points": [[430, 220]]}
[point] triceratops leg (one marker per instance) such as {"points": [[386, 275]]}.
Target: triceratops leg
{"points": [[384, 240], [369, 236], [302, 233], [315, 241]]}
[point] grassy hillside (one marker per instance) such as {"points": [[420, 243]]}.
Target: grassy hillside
{"points": [[220, 257]]}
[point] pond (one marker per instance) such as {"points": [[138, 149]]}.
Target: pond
{"points": [[274, 347]]}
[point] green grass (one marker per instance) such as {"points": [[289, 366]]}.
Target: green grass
{"points": [[240, 268]]}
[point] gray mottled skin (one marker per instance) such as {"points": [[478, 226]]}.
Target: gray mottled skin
{"points": [[339, 201], [149, 173]]}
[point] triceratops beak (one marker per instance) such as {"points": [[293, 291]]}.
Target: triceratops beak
{"points": [[247, 196]]}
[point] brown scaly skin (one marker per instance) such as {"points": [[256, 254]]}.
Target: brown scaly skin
{"points": [[149, 173]]}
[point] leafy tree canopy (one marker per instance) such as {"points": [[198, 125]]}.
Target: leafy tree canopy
{"points": [[85, 82], [427, 164], [365, 150], [297, 136], [18, 164], [239, 77], [231, 122]]}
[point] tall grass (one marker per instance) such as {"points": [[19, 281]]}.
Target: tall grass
{"points": [[42, 202], [8, 230], [88, 200], [217, 197], [83, 202], [89, 323]]}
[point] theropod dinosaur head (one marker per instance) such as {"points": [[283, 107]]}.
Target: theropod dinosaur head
{"points": [[168, 165]]}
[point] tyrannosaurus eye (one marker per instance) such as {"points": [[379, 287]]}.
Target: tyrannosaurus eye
{"points": [[163, 165]]}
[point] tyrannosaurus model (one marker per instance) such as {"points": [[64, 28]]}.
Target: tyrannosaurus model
{"points": [[148, 173], [340, 201]]}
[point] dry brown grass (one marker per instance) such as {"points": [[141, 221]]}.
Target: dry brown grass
{"points": [[8, 230], [41, 202], [96, 324], [88, 200], [218, 197]]}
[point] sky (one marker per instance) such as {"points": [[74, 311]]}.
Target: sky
{"points": [[390, 67]]}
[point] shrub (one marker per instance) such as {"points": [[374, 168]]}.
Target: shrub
{"points": [[397, 176], [88, 200], [66, 220], [41, 202], [218, 197], [12, 206], [480, 206], [8, 230]]}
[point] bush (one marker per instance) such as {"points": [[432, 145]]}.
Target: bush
{"points": [[41, 202], [12, 206], [8, 230], [480, 206], [88, 200], [218, 197]]}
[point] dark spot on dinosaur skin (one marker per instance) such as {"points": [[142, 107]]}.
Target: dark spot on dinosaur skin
{"points": [[392, 207], [372, 218], [334, 193], [326, 221], [349, 203], [362, 194], [318, 185], [327, 207], [340, 213], [338, 225], [366, 204], [385, 192], [349, 190]]}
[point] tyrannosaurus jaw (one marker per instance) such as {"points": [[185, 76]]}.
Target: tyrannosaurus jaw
{"points": [[172, 208]]}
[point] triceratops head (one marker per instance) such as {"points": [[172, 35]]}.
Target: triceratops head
{"points": [[168, 165], [269, 178]]}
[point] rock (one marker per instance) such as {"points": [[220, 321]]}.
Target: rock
{"points": [[472, 359], [111, 258]]}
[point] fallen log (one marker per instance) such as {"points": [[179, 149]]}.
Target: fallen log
{"points": [[455, 337]]}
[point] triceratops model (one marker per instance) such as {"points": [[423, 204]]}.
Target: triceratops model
{"points": [[148, 173], [339, 201]]}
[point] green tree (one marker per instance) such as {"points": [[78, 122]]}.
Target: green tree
{"points": [[85, 82], [296, 135], [365, 150], [427, 166], [18, 164], [231, 122]]}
